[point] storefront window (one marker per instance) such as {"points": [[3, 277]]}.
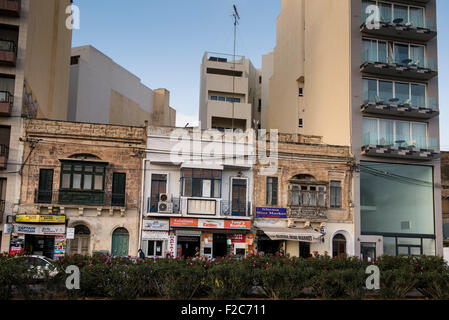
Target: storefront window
{"points": [[203, 183], [396, 199]]}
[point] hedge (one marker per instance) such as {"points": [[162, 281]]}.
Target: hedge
{"points": [[277, 277]]}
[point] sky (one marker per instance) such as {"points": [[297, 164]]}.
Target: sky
{"points": [[163, 42]]}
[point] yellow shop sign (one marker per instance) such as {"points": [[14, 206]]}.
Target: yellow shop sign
{"points": [[36, 218]]}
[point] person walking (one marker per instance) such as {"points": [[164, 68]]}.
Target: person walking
{"points": [[141, 254]]}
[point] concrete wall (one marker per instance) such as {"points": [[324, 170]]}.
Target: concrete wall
{"points": [[102, 91], [267, 73]]}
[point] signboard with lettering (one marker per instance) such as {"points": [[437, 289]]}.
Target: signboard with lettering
{"points": [[46, 230], [180, 222], [237, 224], [172, 245], [156, 225], [266, 212], [212, 224], [154, 235], [38, 218], [70, 233]]}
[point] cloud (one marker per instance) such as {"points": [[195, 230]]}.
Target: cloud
{"points": [[183, 119]]}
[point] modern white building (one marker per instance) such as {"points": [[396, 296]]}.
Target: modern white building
{"points": [[230, 92], [101, 91], [197, 193]]}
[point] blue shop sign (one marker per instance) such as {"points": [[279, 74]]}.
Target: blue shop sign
{"points": [[265, 212]]}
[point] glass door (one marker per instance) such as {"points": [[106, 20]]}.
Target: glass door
{"points": [[239, 187]]}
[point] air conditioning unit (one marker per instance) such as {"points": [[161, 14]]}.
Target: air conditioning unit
{"points": [[164, 197], [165, 207]]}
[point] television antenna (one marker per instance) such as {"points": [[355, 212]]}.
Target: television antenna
{"points": [[236, 17]]}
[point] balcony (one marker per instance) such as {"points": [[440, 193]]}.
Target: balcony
{"points": [[418, 148], [8, 53], [236, 209], [411, 108], [79, 198], [6, 103], [308, 204], [404, 69], [418, 31], [10, 8], [4, 151], [172, 207]]}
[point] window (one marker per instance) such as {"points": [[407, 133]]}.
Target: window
{"points": [[272, 191], [118, 189], [45, 191], [225, 99], [82, 176], [399, 13], [2, 196], [214, 98], [74, 60], [335, 194], [338, 245], [307, 195], [203, 183], [391, 194], [155, 248], [404, 54], [301, 92], [260, 79], [398, 133], [158, 186], [260, 105], [300, 123]]}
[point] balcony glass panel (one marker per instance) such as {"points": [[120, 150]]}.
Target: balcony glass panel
{"points": [[402, 91], [369, 90], [417, 56], [385, 90], [386, 131], [417, 17], [401, 53], [370, 127], [365, 5], [401, 12], [403, 131], [418, 98], [385, 12]]}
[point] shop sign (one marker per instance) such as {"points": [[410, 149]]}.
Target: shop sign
{"points": [[238, 238], [60, 246], [211, 224], [154, 235], [180, 222], [39, 230], [70, 233], [156, 225], [172, 245], [237, 224], [7, 228], [37, 218], [266, 212], [250, 239]]}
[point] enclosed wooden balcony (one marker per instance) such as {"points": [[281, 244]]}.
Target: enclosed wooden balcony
{"points": [[6, 103], [10, 8], [8, 53]]}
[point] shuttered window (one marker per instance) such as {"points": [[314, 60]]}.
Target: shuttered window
{"points": [[272, 191], [335, 194]]}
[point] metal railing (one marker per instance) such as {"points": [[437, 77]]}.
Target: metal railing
{"points": [[228, 209], [80, 197], [153, 205], [5, 96], [225, 58], [413, 101], [7, 45], [4, 151], [400, 141]]}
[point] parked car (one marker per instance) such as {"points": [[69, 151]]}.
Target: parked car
{"points": [[41, 264]]}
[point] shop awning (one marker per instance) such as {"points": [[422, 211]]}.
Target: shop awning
{"points": [[293, 234]]}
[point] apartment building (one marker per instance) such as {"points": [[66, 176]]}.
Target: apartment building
{"points": [[34, 75], [197, 193], [375, 89], [445, 195], [230, 92], [305, 205], [80, 176], [101, 91]]}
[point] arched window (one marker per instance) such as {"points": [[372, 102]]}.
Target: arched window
{"points": [[120, 242], [338, 245], [81, 243]]}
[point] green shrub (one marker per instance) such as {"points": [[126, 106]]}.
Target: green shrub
{"points": [[397, 283]]}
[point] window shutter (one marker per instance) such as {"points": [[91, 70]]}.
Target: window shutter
{"points": [[275, 191]]}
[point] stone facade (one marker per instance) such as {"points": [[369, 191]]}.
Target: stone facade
{"points": [[121, 147], [306, 161]]}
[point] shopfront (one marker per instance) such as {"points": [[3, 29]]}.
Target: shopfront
{"points": [[212, 238], [155, 236], [43, 235]]}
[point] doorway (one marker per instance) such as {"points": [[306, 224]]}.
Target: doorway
{"points": [[40, 245], [81, 242], [239, 187], [120, 242], [219, 245], [188, 246], [304, 250]]}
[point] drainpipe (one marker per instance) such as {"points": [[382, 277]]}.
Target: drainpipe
{"points": [[142, 205]]}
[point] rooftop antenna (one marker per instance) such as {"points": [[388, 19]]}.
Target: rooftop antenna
{"points": [[236, 17]]}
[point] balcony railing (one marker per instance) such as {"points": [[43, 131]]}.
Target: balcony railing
{"points": [[416, 107], [224, 58], [415, 68], [419, 148], [4, 152], [10, 8], [8, 52], [76, 197], [173, 206], [6, 103], [227, 209], [415, 30]]}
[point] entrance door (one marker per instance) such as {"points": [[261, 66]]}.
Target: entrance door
{"points": [[40, 245], [239, 197], [80, 244], [118, 189], [120, 242], [44, 193], [189, 245], [304, 250], [368, 251], [220, 247]]}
